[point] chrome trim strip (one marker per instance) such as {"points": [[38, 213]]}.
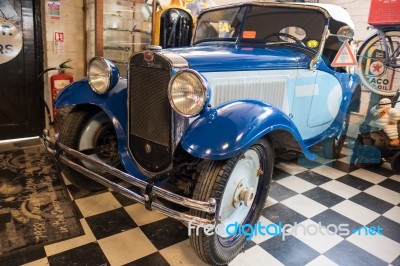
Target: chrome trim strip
{"points": [[208, 207], [317, 57], [176, 60]]}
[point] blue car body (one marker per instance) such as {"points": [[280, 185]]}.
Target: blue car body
{"points": [[200, 126], [223, 124]]}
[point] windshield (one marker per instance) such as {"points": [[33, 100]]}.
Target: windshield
{"points": [[219, 24], [266, 24]]}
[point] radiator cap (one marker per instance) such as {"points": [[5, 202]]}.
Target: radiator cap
{"points": [[151, 47]]}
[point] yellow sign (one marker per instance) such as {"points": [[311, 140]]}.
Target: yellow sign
{"points": [[224, 29], [312, 43]]}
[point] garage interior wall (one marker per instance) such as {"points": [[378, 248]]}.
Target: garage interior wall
{"points": [[72, 24]]}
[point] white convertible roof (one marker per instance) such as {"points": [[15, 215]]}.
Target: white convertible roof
{"points": [[338, 13]]}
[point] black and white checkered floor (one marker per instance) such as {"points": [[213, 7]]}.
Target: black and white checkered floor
{"points": [[120, 232]]}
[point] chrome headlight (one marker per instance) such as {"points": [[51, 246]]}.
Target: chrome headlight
{"points": [[102, 75], [187, 93]]}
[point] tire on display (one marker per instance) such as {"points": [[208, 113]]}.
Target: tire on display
{"points": [[240, 186], [89, 129]]}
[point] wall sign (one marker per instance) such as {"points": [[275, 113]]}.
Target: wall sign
{"points": [[10, 41], [58, 42], [54, 10]]}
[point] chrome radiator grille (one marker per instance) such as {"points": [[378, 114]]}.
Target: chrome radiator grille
{"points": [[149, 115], [150, 109]]}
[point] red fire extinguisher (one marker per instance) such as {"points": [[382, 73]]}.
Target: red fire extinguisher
{"points": [[59, 81]]}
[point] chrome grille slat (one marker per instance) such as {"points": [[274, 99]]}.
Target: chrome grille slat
{"points": [[272, 91]]}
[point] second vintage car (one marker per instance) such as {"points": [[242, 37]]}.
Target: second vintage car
{"points": [[199, 127]]}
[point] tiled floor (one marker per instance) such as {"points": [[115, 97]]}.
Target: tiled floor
{"points": [[316, 195]]}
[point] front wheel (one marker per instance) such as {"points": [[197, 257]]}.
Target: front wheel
{"points": [[240, 186], [91, 132]]}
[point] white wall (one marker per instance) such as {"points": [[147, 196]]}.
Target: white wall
{"points": [[71, 24]]}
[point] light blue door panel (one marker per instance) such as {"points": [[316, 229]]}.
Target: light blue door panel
{"points": [[325, 101]]}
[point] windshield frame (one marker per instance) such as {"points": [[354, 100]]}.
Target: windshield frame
{"points": [[239, 39], [242, 17]]}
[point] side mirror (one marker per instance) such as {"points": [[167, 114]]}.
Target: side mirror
{"points": [[344, 33]]}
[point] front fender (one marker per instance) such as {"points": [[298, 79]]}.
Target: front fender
{"points": [[224, 132], [113, 102]]}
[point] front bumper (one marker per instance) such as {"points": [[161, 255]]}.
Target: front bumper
{"points": [[63, 154]]}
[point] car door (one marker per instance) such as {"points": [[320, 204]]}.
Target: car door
{"points": [[302, 98], [316, 101]]}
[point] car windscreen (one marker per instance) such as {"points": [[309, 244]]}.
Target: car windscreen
{"points": [[277, 24], [265, 24], [220, 24]]}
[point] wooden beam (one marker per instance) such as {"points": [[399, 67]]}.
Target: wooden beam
{"points": [[99, 28]]}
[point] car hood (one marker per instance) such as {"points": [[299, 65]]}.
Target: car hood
{"points": [[232, 57]]}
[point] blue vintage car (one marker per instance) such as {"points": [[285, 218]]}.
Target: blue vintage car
{"points": [[198, 127]]}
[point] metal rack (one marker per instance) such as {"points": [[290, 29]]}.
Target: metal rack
{"points": [[116, 29]]}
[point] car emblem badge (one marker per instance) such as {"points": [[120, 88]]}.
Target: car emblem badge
{"points": [[148, 56], [147, 148]]}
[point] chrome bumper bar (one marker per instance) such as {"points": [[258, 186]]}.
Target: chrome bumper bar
{"points": [[59, 150]]}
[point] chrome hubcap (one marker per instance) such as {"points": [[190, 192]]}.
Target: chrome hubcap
{"points": [[243, 195]]}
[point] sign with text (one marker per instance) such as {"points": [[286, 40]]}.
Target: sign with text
{"points": [[58, 42], [11, 41], [378, 75], [54, 10]]}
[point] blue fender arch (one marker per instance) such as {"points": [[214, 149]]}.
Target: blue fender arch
{"points": [[231, 128], [113, 103]]}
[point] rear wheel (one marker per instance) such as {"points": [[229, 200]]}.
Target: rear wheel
{"points": [[332, 147], [240, 186], [91, 132]]}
